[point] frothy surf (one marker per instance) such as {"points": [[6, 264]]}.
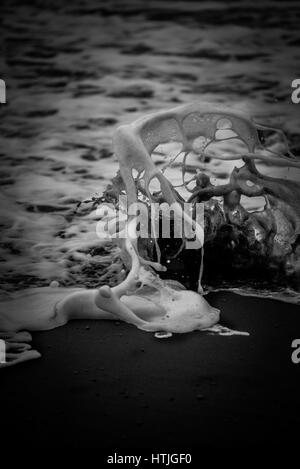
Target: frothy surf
{"points": [[141, 298]]}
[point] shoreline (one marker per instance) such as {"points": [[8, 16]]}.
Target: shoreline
{"points": [[106, 384]]}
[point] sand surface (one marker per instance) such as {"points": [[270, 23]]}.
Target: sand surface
{"points": [[106, 385]]}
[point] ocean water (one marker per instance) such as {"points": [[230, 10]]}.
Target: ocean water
{"points": [[74, 72]]}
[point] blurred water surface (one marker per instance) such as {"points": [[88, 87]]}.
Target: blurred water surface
{"points": [[75, 71]]}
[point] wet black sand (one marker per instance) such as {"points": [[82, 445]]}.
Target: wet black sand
{"points": [[108, 385]]}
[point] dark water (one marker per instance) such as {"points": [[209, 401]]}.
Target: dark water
{"points": [[76, 71]]}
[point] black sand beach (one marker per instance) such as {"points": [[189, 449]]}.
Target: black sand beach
{"points": [[108, 385], [74, 73]]}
